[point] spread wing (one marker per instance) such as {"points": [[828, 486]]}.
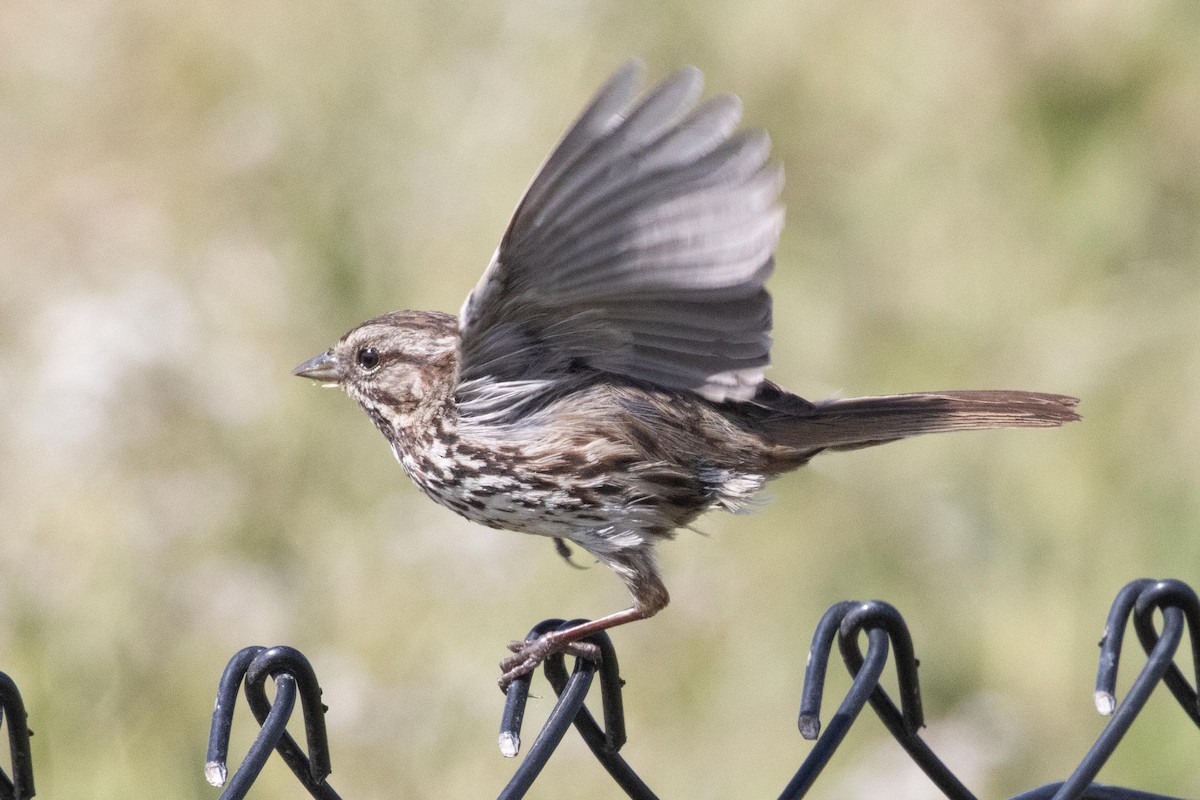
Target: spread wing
{"points": [[640, 248]]}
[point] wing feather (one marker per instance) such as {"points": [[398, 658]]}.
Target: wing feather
{"points": [[640, 248]]}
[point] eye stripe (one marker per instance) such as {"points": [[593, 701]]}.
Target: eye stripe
{"points": [[401, 358]]}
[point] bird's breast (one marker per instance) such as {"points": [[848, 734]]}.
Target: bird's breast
{"points": [[505, 490]]}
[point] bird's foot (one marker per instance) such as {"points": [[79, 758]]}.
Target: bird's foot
{"points": [[527, 654]]}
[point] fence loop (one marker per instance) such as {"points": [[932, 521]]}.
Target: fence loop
{"points": [[294, 677], [883, 624], [877, 614], [1157, 665], [12, 708], [612, 705], [571, 690], [866, 680], [277, 662], [1138, 599], [846, 620], [570, 701], [1163, 595]]}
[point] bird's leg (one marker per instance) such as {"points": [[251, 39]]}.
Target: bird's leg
{"points": [[640, 574]]}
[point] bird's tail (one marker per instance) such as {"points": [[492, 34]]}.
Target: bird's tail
{"points": [[856, 422]]}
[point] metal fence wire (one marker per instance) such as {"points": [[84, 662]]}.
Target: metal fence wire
{"points": [[847, 623]]}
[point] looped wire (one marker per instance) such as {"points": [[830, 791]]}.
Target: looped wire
{"points": [[882, 623], [865, 682], [294, 677], [1156, 666], [1180, 609], [1172, 594], [878, 614], [1139, 599], [571, 689]]}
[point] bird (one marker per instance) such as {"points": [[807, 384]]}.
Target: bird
{"points": [[603, 384]]}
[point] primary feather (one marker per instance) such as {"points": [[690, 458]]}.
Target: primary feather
{"points": [[645, 227]]}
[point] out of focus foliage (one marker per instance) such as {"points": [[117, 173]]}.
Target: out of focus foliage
{"points": [[194, 197]]}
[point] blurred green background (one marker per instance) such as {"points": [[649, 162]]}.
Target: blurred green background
{"points": [[195, 197]]}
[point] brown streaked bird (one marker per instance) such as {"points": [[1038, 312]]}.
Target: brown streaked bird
{"points": [[603, 384]]}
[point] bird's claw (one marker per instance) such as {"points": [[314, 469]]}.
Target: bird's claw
{"points": [[527, 654]]}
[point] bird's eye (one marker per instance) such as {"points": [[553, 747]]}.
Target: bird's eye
{"points": [[368, 358]]}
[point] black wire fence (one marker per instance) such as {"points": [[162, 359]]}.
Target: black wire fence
{"points": [[845, 623]]}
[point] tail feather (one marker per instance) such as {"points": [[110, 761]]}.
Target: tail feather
{"points": [[851, 423]]}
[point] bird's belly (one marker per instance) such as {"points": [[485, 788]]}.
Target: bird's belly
{"points": [[528, 503], [605, 512]]}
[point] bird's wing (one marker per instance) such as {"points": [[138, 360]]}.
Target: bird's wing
{"points": [[640, 248]]}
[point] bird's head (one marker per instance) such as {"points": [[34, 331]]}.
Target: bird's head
{"points": [[398, 366]]}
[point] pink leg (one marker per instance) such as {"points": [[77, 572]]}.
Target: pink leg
{"points": [[649, 597]]}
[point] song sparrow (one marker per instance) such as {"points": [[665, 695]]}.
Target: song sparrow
{"points": [[603, 383]]}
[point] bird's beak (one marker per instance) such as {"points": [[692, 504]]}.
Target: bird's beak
{"points": [[322, 368]]}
